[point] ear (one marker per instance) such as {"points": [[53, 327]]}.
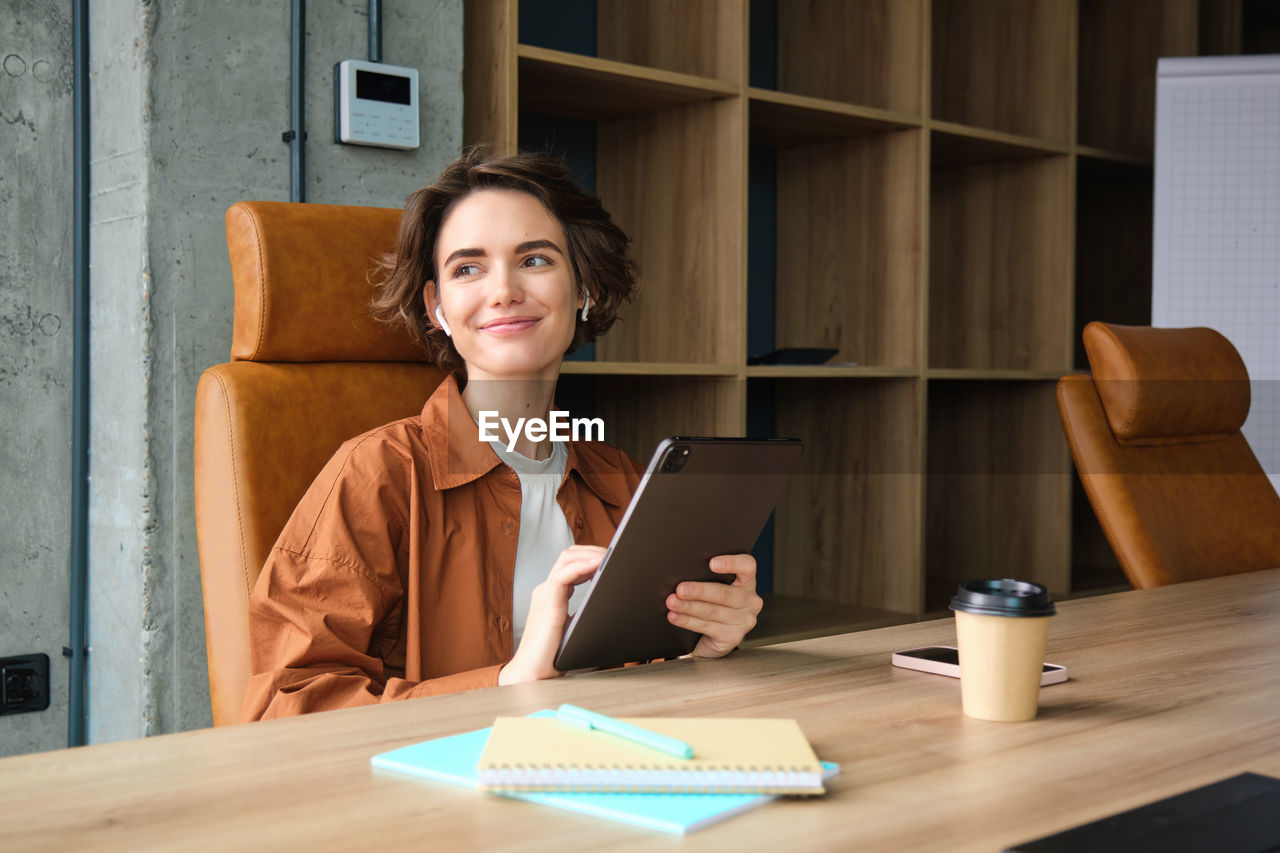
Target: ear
{"points": [[431, 301]]}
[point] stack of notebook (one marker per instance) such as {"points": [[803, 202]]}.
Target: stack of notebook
{"points": [[736, 765]]}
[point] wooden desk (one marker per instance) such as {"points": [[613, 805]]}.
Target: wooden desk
{"points": [[1170, 688]]}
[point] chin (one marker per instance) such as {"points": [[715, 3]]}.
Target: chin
{"points": [[520, 358], [516, 368]]}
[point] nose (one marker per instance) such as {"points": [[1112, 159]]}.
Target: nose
{"points": [[503, 285]]}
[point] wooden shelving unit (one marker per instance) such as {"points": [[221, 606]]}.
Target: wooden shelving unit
{"points": [[943, 191]]}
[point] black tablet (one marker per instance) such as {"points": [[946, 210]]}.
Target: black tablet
{"points": [[699, 498]]}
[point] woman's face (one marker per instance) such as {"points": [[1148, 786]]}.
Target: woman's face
{"points": [[505, 286]]}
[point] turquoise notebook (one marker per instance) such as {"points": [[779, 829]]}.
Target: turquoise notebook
{"points": [[453, 759]]}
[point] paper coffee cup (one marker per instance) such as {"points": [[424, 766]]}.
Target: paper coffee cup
{"points": [[1001, 630]]}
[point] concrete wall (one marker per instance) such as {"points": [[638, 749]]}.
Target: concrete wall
{"points": [[35, 351], [189, 101]]}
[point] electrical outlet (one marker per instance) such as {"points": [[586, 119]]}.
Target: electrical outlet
{"points": [[24, 684]]}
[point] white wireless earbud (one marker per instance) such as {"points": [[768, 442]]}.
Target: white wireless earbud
{"points": [[586, 303], [443, 324]]}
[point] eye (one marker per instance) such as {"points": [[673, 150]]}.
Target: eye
{"points": [[536, 261], [464, 270]]}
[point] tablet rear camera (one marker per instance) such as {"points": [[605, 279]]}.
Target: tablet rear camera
{"points": [[675, 459]]}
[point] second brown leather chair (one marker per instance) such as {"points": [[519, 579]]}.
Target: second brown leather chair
{"points": [[309, 369], [1155, 434]]}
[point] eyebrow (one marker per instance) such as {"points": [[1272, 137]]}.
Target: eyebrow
{"points": [[526, 246], [463, 253], [537, 244]]}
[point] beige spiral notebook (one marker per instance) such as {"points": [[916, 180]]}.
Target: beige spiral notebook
{"points": [[765, 756]]}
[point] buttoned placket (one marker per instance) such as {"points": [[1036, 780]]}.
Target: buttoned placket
{"points": [[510, 528]]}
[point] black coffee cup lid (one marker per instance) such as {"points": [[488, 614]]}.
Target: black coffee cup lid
{"points": [[1003, 598]]}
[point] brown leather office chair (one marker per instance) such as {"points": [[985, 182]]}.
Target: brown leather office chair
{"points": [[1155, 434], [309, 369]]}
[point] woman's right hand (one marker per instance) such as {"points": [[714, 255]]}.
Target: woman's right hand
{"points": [[548, 615]]}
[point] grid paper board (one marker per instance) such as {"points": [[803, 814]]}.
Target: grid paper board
{"points": [[1216, 256]]}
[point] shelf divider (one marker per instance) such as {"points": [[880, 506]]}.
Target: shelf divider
{"points": [[958, 144], [567, 84], [782, 119]]}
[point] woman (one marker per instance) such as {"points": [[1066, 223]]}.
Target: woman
{"points": [[424, 560]]}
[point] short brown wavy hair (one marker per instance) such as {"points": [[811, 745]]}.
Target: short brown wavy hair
{"points": [[599, 251]]}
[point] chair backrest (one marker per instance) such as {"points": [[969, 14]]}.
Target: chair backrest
{"points": [[1155, 433], [310, 368]]}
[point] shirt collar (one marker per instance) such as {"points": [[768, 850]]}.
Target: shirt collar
{"points": [[600, 472], [458, 456]]}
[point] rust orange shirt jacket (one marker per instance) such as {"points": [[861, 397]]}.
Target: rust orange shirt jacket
{"points": [[393, 578]]}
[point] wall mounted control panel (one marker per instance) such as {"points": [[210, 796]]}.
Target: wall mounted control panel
{"points": [[375, 104], [24, 683]]}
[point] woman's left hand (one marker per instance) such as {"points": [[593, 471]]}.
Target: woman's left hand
{"points": [[721, 613]]}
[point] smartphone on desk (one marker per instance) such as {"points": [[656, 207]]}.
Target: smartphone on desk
{"points": [[945, 660]]}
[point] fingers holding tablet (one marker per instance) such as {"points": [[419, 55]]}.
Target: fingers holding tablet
{"points": [[722, 614], [742, 566]]}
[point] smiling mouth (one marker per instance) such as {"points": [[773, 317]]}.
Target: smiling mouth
{"points": [[509, 325]]}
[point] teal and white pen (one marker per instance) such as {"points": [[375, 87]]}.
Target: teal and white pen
{"points": [[591, 720]]}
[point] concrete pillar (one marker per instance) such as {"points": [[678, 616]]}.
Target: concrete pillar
{"points": [[35, 352], [189, 102]]}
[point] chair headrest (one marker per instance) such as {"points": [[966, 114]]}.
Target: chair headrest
{"points": [[301, 275], [1163, 386]]}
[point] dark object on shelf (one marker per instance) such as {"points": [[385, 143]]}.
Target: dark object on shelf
{"points": [[1241, 813], [794, 355]]}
